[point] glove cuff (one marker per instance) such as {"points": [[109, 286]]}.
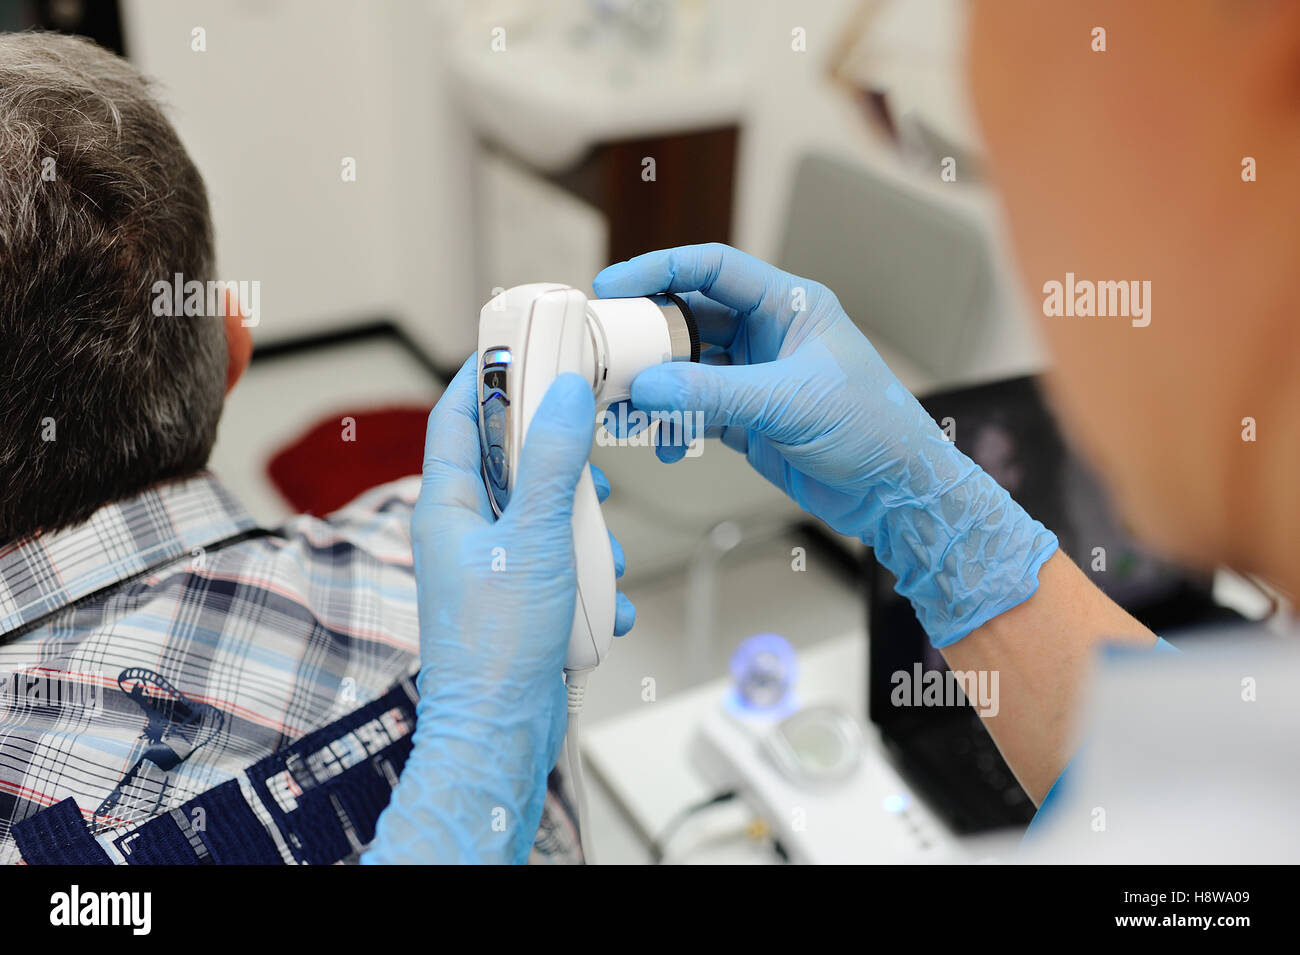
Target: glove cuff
{"points": [[965, 558]]}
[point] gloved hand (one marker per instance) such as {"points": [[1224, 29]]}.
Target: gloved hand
{"points": [[496, 605], [818, 413]]}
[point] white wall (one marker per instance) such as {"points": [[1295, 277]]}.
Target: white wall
{"points": [[285, 90]]}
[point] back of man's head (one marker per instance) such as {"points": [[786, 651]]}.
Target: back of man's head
{"points": [[99, 397]]}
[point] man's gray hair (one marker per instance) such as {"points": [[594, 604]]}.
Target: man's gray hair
{"points": [[99, 398]]}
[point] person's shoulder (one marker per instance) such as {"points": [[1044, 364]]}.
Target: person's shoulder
{"points": [[395, 497], [1185, 756], [376, 522]]}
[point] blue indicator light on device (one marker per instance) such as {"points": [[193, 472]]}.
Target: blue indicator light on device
{"points": [[764, 670], [896, 803]]}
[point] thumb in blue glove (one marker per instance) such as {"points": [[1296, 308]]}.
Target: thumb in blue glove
{"points": [[496, 602]]}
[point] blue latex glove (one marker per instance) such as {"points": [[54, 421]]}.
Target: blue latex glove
{"points": [[496, 605], [817, 412]]}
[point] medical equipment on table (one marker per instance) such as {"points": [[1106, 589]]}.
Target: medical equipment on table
{"points": [[528, 336], [827, 792]]}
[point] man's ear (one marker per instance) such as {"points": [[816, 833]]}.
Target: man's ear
{"points": [[239, 341]]}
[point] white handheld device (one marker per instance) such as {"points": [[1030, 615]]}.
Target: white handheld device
{"points": [[528, 336]]}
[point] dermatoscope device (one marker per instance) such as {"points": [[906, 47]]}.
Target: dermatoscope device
{"points": [[528, 336]]}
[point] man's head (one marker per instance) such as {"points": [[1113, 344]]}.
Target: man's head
{"points": [[99, 398], [1127, 164]]}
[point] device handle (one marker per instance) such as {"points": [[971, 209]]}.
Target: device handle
{"points": [[594, 609]]}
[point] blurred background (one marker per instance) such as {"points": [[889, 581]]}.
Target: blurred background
{"points": [[381, 167]]}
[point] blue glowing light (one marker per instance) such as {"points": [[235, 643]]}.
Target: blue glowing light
{"points": [[895, 803], [765, 670]]}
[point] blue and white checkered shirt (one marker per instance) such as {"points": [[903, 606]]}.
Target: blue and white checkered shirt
{"points": [[166, 645]]}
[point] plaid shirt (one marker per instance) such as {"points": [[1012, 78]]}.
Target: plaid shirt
{"points": [[167, 644]]}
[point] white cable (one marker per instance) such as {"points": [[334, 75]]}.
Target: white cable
{"points": [[576, 685]]}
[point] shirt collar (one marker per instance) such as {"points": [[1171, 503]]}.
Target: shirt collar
{"points": [[47, 572]]}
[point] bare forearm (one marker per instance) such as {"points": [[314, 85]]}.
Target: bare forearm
{"points": [[1043, 650]]}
